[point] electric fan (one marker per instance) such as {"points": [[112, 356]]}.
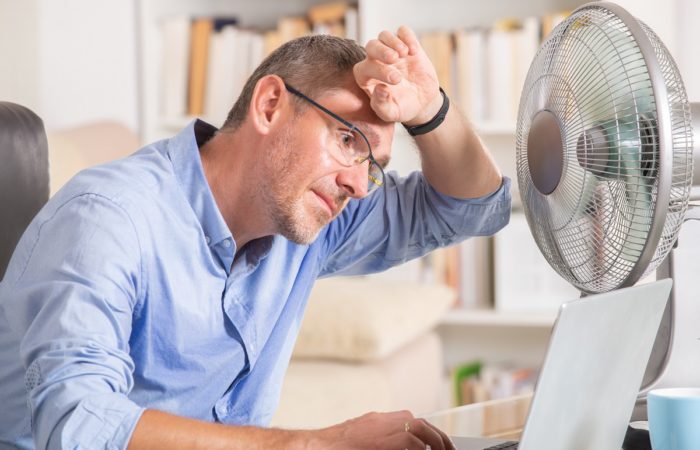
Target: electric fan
{"points": [[605, 157]]}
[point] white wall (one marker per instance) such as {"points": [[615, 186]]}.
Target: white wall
{"points": [[72, 61], [19, 59], [688, 19]]}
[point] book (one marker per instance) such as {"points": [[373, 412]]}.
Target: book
{"points": [[223, 61], [272, 39], [291, 28], [470, 80], [438, 47], [328, 12], [352, 29], [475, 283], [199, 57], [234, 54], [175, 35], [478, 382], [500, 68], [527, 42], [334, 18]]}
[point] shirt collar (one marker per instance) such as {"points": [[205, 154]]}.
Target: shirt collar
{"points": [[183, 151]]}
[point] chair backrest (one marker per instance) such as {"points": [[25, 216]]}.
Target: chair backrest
{"points": [[24, 174]]}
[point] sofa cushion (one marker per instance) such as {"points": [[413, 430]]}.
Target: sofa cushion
{"points": [[365, 319], [319, 393]]}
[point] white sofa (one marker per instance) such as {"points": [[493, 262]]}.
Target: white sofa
{"points": [[365, 345]]}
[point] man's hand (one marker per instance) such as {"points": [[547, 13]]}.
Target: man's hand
{"points": [[373, 431], [399, 79], [379, 431]]}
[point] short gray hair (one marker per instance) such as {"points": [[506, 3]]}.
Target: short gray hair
{"points": [[311, 64]]}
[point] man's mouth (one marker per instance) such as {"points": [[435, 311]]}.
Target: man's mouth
{"points": [[329, 204]]}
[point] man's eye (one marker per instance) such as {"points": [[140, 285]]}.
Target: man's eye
{"points": [[347, 139]]}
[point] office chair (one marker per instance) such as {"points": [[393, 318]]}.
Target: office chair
{"points": [[24, 174]]}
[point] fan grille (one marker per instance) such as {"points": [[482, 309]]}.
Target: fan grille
{"points": [[592, 75]]}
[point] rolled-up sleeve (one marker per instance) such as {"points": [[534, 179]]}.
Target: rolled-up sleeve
{"points": [[73, 303], [406, 220]]}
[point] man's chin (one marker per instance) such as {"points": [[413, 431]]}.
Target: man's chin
{"points": [[305, 237], [304, 234], [304, 228]]}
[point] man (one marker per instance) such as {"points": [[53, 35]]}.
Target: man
{"points": [[154, 302]]}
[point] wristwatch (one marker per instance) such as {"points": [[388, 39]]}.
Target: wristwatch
{"points": [[432, 123]]}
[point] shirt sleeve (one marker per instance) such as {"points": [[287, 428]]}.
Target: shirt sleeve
{"points": [[406, 220], [73, 303]]}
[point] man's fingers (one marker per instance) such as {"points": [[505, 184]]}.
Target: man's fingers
{"points": [[447, 441], [378, 50], [427, 434], [409, 441], [409, 38], [392, 41], [385, 107], [367, 70]]}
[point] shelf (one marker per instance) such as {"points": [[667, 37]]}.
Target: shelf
{"points": [[487, 128], [491, 318]]}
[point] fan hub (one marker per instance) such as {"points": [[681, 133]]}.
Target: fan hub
{"points": [[545, 151]]}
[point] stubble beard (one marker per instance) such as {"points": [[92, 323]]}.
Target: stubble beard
{"points": [[285, 204]]}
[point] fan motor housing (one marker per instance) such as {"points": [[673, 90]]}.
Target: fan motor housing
{"points": [[545, 151]]}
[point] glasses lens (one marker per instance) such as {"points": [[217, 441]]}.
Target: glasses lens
{"points": [[376, 177], [350, 148]]}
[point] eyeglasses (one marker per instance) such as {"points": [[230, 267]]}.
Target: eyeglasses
{"points": [[347, 148]]}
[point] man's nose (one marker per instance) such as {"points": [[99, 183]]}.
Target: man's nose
{"points": [[353, 180]]}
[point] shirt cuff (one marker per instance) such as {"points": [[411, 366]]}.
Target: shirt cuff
{"points": [[480, 216], [101, 421]]}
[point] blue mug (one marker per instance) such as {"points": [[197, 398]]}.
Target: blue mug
{"points": [[674, 418]]}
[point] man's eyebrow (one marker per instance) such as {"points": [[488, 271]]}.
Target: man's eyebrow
{"points": [[374, 139]]}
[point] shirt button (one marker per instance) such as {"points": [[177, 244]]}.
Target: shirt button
{"points": [[227, 243]]}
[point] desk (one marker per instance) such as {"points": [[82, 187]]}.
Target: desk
{"points": [[497, 419], [501, 419]]}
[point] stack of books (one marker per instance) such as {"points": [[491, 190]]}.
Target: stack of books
{"points": [[475, 382], [207, 60], [484, 69]]}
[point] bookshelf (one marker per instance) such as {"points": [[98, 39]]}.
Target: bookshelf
{"points": [[503, 332], [150, 16], [373, 16], [492, 334]]}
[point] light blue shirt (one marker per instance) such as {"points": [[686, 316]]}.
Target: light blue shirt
{"points": [[121, 295]]}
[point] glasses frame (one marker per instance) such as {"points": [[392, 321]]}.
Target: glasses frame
{"points": [[352, 128]]}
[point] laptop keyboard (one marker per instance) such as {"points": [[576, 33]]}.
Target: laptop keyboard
{"points": [[510, 445]]}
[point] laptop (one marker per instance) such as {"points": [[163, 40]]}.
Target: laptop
{"points": [[592, 372]]}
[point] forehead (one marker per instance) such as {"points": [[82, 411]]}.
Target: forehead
{"points": [[353, 105]]}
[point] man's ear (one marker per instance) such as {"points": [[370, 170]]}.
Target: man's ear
{"points": [[268, 105]]}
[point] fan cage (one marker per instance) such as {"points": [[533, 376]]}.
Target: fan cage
{"points": [[595, 228]]}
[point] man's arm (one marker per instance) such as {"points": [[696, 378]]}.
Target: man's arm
{"points": [[373, 431], [455, 161], [73, 296], [403, 87]]}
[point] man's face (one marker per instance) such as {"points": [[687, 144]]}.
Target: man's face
{"points": [[306, 185]]}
